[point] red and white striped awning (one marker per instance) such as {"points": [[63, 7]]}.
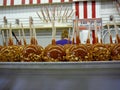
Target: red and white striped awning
{"points": [[84, 9], [87, 9], [29, 2]]}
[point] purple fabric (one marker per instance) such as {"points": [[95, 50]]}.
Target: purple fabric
{"points": [[63, 42]]}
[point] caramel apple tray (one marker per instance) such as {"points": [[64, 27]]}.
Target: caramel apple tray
{"points": [[70, 52]]}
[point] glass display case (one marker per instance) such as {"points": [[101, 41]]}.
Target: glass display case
{"points": [[104, 75], [82, 75]]}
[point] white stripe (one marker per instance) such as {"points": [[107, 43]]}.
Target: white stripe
{"points": [[98, 5], [46, 1], [89, 10], [1, 2], [66, 0], [26, 1], [81, 10], [78, 0], [34, 1], [17, 2], [42, 1], [8, 2], [56, 1], [73, 7]]}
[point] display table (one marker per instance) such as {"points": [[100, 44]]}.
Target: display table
{"points": [[60, 75]]}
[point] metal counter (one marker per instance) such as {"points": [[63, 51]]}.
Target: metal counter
{"points": [[102, 75]]}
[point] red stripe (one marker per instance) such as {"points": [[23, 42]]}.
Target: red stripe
{"points": [[23, 1], [38, 1], [85, 9], [93, 9], [4, 2], [77, 9], [93, 36], [50, 1], [12, 2], [30, 1], [70, 0], [62, 0]]}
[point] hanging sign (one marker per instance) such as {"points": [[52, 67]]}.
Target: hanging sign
{"points": [[84, 23]]}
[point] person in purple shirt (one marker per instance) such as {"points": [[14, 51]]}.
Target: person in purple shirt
{"points": [[64, 38]]}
